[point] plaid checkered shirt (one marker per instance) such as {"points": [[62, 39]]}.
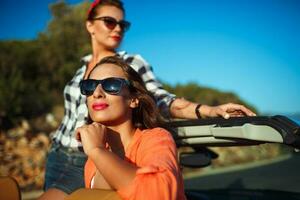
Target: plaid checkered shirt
{"points": [[76, 111]]}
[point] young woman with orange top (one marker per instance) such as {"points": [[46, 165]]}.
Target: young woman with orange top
{"points": [[126, 149]]}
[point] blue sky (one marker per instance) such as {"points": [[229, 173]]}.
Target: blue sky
{"points": [[250, 47]]}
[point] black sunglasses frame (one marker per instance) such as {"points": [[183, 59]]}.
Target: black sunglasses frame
{"points": [[84, 84], [124, 25]]}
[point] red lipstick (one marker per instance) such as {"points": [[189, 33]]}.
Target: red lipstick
{"points": [[99, 106], [116, 38]]}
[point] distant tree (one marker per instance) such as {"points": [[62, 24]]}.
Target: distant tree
{"points": [[65, 42], [23, 92], [33, 73]]}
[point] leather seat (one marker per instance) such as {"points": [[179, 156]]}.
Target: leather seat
{"points": [[9, 188]]}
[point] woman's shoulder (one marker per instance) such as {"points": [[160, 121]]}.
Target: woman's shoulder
{"points": [[87, 58], [84, 60], [157, 135], [133, 59], [153, 141], [157, 130]]}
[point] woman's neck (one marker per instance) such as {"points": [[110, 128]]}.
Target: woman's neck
{"points": [[98, 54], [119, 137], [100, 49]]}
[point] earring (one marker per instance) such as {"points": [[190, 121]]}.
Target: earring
{"points": [[135, 103]]}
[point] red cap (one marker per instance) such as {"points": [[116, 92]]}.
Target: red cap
{"points": [[93, 5]]}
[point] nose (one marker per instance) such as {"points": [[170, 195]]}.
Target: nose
{"points": [[118, 28], [98, 93]]}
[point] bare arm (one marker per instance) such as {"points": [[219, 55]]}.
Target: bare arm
{"points": [[117, 172], [181, 108]]}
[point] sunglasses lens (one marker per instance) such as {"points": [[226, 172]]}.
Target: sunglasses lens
{"points": [[112, 85], [124, 25], [110, 23], [87, 87]]}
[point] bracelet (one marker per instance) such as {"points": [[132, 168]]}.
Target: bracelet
{"points": [[197, 111]]}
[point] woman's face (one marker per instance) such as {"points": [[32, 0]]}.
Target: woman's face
{"points": [[105, 108], [103, 35]]}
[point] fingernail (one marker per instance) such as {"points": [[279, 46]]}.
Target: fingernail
{"points": [[226, 116]]}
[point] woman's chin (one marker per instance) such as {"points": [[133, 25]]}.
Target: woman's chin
{"points": [[108, 122], [114, 45], [100, 121]]}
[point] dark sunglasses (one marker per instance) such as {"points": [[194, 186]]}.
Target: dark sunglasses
{"points": [[111, 23], [109, 85]]}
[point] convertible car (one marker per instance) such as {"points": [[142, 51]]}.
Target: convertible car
{"points": [[275, 180]]}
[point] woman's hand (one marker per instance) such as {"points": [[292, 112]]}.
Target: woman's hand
{"points": [[226, 110], [91, 136]]}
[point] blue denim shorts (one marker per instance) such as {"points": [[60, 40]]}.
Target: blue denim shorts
{"points": [[64, 169]]}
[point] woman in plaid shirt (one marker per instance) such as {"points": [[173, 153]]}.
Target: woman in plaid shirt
{"points": [[106, 26]]}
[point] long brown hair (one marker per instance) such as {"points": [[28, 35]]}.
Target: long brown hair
{"points": [[92, 12], [146, 115]]}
